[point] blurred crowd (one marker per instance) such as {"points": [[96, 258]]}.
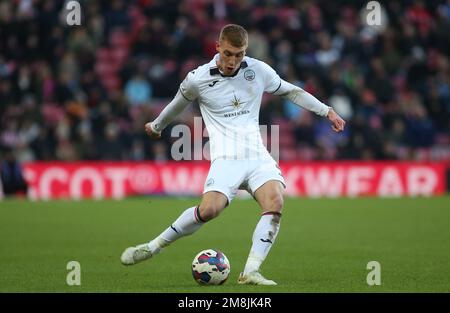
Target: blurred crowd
{"points": [[85, 92]]}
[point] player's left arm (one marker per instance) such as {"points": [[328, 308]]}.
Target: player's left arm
{"points": [[275, 85], [304, 99]]}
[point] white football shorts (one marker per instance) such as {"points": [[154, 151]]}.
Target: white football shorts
{"points": [[228, 176]]}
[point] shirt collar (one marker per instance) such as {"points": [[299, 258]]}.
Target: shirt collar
{"points": [[215, 70]]}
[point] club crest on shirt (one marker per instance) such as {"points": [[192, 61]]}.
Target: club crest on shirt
{"points": [[249, 74]]}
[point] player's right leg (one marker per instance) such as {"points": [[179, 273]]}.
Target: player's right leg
{"points": [[188, 222]]}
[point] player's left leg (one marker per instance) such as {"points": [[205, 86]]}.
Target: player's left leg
{"points": [[270, 198]]}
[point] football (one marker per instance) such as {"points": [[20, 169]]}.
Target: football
{"points": [[210, 267]]}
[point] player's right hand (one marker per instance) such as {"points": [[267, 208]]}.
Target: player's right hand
{"points": [[151, 132]]}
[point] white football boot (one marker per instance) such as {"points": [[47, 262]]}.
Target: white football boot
{"points": [[133, 255], [255, 278]]}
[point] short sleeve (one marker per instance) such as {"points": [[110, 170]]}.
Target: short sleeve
{"points": [[272, 80], [189, 88]]}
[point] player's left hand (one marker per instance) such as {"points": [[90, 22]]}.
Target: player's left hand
{"points": [[337, 122], [151, 132]]}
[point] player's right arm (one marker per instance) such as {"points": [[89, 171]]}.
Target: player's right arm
{"points": [[187, 93]]}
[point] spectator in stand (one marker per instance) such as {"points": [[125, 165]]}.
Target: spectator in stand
{"points": [[138, 91], [11, 174]]}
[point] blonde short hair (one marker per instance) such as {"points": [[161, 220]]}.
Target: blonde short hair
{"points": [[236, 35]]}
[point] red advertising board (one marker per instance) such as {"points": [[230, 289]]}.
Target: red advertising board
{"points": [[334, 179]]}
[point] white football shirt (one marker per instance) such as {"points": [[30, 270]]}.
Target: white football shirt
{"points": [[230, 106]]}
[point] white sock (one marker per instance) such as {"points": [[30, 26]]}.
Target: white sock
{"points": [[186, 224], [263, 238]]}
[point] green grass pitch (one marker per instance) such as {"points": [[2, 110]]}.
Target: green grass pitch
{"points": [[324, 245]]}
